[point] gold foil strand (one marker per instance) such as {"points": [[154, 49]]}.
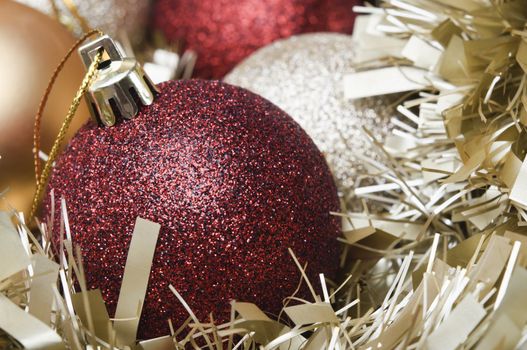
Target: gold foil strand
{"points": [[135, 280]]}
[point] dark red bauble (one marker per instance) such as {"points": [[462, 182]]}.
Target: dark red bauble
{"points": [[232, 180], [224, 32]]}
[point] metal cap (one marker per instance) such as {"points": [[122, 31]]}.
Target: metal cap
{"points": [[120, 86]]}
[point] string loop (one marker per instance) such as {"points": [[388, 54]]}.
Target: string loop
{"points": [[42, 178]]}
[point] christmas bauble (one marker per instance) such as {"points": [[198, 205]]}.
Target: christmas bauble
{"points": [[112, 16], [223, 32], [32, 46], [232, 180], [303, 76]]}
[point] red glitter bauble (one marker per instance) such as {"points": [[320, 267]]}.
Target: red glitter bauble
{"points": [[232, 180], [223, 32]]}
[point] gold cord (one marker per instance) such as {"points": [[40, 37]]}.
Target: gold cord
{"points": [[41, 179], [44, 100]]}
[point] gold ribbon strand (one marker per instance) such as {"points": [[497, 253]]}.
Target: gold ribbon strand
{"points": [[42, 178]]}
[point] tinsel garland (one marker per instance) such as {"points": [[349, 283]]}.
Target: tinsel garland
{"points": [[457, 155], [429, 303], [441, 264]]}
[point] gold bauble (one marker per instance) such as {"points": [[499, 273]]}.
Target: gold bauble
{"points": [[32, 45]]}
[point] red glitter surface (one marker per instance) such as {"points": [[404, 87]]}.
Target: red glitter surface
{"points": [[223, 32], [232, 180]]}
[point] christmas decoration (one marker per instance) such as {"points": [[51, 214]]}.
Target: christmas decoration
{"points": [[303, 75], [485, 292], [453, 165], [231, 179], [26, 65], [112, 16], [225, 32], [443, 267]]}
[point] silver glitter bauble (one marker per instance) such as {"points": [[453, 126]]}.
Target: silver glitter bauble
{"points": [[111, 16], [303, 76]]}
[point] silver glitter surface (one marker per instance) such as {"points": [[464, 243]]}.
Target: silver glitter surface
{"points": [[111, 16], [303, 75]]}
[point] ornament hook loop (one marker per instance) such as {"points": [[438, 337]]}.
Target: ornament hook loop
{"points": [[121, 85]]}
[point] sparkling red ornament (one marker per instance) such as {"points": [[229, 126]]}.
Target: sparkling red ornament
{"points": [[223, 32], [232, 180]]}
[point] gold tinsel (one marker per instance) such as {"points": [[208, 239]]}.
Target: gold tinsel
{"points": [[441, 266]]}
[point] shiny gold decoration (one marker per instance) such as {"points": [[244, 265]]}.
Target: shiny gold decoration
{"points": [[438, 297], [32, 45], [444, 267], [457, 158]]}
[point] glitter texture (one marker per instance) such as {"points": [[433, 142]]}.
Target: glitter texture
{"points": [[111, 16], [303, 76], [232, 180], [223, 32]]}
